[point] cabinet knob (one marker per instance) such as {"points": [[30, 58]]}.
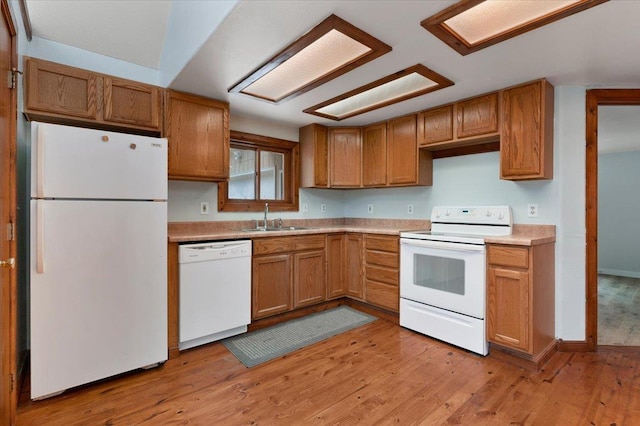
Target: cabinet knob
{"points": [[105, 139], [9, 263]]}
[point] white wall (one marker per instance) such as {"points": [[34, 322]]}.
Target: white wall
{"points": [[618, 208]]}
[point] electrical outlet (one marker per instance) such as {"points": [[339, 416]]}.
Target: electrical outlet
{"points": [[369, 208], [409, 208], [305, 207], [204, 207], [532, 210], [323, 208]]}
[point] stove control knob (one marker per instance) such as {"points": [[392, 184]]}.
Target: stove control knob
{"points": [[500, 215], [438, 214], [487, 213], [448, 213]]}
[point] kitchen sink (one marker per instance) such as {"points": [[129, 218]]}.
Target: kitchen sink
{"points": [[284, 228]]}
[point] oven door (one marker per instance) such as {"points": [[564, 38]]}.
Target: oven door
{"points": [[446, 275]]}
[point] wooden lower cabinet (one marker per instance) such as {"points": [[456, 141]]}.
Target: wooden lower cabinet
{"points": [[271, 289], [381, 271], [353, 266], [521, 298], [288, 273], [309, 281], [336, 266]]}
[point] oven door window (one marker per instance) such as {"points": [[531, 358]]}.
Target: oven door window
{"points": [[439, 273]]}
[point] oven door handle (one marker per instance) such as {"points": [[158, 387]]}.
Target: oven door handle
{"points": [[476, 248]]}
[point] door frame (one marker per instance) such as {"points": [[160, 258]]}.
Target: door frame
{"points": [[595, 98], [8, 320]]}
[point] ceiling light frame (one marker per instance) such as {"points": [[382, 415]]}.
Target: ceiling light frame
{"points": [[440, 80], [436, 24], [333, 22]]}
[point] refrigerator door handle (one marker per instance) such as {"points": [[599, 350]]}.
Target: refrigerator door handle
{"points": [[40, 163], [40, 236]]}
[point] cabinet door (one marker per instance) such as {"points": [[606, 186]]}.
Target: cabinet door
{"points": [[335, 266], [508, 308], [477, 116], [353, 266], [435, 125], [345, 157], [402, 151], [314, 156], [272, 285], [310, 279], [198, 133], [526, 145], [374, 155], [58, 89], [131, 103]]}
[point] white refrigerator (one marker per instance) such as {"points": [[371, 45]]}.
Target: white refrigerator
{"points": [[98, 248]]}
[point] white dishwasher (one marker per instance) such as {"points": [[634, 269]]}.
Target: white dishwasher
{"points": [[215, 291]]}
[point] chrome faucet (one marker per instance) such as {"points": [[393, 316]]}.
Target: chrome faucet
{"points": [[266, 211]]}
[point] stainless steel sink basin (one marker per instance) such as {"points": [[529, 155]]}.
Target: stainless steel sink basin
{"points": [[284, 228]]}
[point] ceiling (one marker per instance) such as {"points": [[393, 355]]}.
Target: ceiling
{"points": [[596, 47]]}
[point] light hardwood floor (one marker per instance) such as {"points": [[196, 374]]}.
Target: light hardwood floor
{"points": [[618, 310], [376, 374]]}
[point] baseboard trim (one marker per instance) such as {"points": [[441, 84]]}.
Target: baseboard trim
{"points": [[619, 273], [523, 360], [573, 346]]}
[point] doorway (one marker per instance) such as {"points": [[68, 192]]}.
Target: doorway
{"points": [[618, 232], [596, 98]]}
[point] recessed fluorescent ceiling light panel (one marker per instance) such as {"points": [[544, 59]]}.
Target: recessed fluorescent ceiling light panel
{"points": [[471, 25], [329, 50], [405, 84]]}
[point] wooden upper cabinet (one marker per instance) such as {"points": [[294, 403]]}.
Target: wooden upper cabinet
{"points": [[374, 155], [61, 94], [526, 150], [477, 116], [314, 156], [402, 151], [57, 89], [345, 162], [435, 125], [198, 133], [127, 102]]}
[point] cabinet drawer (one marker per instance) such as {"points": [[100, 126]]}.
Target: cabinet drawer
{"points": [[385, 275], [380, 258], [287, 244], [381, 243], [383, 295], [509, 256]]}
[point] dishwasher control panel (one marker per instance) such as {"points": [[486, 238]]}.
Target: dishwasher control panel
{"points": [[202, 252]]}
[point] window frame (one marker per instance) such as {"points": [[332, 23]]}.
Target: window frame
{"points": [[291, 185]]}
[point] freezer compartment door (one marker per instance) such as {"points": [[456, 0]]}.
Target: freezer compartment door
{"points": [[72, 162], [99, 299]]}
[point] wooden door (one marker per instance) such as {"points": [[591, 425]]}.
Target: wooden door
{"points": [[335, 266], [477, 116], [402, 151], [131, 103], [435, 125], [353, 266], [374, 155], [508, 308], [198, 133], [8, 60], [310, 279], [272, 285], [345, 157]]}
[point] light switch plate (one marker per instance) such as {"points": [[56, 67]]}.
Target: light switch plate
{"points": [[204, 207]]}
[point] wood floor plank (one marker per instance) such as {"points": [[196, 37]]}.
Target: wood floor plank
{"points": [[375, 374]]}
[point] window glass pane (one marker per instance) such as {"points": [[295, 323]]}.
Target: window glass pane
{"points": [[242, 182], [439, 273], [271, 175]]}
